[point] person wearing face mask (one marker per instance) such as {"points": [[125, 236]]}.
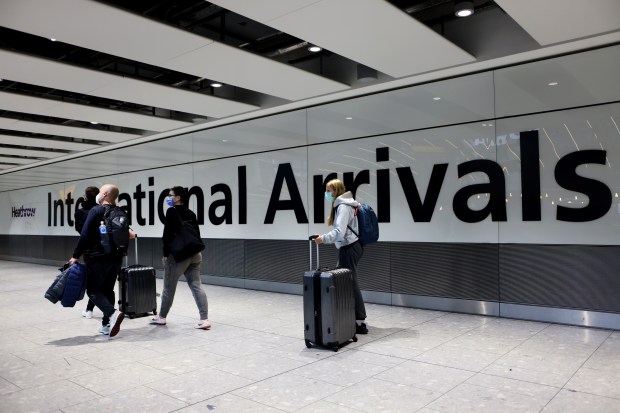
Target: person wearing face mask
{"points": [[176, 214], [80, 215], [342, 235], [102, 268]]}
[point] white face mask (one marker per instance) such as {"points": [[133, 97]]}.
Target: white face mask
{"points": [[98, 198]]}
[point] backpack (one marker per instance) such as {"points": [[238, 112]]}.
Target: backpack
{"points": [[368, 224], [117, 229]]}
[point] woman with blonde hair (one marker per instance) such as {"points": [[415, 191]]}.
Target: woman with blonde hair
{"points": [[343, 236]]}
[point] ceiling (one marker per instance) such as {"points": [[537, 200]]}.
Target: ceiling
{"points": [[120, 71]]}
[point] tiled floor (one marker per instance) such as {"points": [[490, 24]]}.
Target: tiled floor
{"points": [[254, 359]]}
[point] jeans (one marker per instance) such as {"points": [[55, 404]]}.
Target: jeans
{"points": [[172, 273], [102, 273], [348, 257]]}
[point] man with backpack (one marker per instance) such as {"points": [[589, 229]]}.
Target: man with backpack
{"points": [[104, 238]]}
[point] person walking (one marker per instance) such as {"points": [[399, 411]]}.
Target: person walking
{"points": [[190, 267], [342, 235], [80, 218], [102, 268]]}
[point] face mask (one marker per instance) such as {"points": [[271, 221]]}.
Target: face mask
{"points": [[169, 201], [329, 197], [98, 198]]}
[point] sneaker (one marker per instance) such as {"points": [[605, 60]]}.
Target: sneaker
{"points": [[87, 314], [203, 325], [115, 322], [158, 321], [105, 330], [361, 328]]}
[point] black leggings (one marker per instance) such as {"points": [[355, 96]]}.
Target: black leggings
{"points": [[348, 257]]}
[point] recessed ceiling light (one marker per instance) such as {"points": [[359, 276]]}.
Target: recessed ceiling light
{"points": [[464, 8], [216, 84], [52, 39], [436, 98], [94, 123], [348, 118], [552, 83], [314, 49]]}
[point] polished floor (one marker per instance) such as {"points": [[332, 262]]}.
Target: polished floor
{"points": [[254, 359]]}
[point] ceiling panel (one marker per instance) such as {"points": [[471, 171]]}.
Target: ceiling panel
{"points": [[47, 73], [44, 143], [65, 110], [68, 131], [30, 152], [21, 161], [230, 65], [372, 32], [138, 38], [554, 21]]}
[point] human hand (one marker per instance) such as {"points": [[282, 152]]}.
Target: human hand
{"points": [[318, 240], [164, 260], [72, 261]]}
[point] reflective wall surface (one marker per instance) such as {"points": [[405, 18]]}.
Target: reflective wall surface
{"points": [[493, 188]]}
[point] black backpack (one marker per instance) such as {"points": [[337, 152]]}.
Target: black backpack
{"points": [[117, 229]]}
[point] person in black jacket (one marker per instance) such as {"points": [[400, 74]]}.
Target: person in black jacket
{"points": [[190, 267], [80, 218], [102, 268]]}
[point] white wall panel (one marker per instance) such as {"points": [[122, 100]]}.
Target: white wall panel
{"points": [[418, 152], [463, 99], [560, 134], [564, 82], [273, 132]]}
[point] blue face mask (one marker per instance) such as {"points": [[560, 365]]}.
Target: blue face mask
{"points": [[329, 197], [169, 201]]}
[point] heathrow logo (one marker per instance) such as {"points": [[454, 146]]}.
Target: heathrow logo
{"points": [[22, 212]]}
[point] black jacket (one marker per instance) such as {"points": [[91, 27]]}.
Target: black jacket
{"points": [[81, 214], [90, 240], [173, 223]]}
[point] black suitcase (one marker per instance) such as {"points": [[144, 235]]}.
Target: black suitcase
{"points": [[329, 305], [137, 293]]}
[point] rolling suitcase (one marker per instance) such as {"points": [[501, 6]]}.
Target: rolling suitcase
{"points": [[329, 305], [137, 295]]}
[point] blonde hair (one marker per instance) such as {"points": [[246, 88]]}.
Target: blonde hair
{"points": [[338, 187]]}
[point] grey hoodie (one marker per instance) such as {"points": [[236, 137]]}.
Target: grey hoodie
{"points": [[340, 235]]}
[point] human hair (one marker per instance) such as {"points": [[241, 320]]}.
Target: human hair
{"points": [[338, 186], [90, 193], [181, 192]]}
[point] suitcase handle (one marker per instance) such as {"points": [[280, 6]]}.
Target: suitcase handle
{"points": [[127, 256], [311, 238]]}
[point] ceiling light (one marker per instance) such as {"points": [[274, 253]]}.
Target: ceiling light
{"points": [[436, 98], [464, 8], [366, 74], [314, 49], [52, 39], [552, 83], [215, 84], [348, 118], [94, 123]]}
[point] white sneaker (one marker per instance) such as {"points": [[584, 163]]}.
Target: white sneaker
{"points": [[105, 330], [115, 322], [87, 314]]}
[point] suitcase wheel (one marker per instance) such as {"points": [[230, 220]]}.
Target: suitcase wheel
{"points": [[354, 339], [308, 344], [334, 347]]}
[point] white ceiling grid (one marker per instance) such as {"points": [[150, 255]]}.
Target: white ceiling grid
{"points": [[371, 32], [374, 33]]}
